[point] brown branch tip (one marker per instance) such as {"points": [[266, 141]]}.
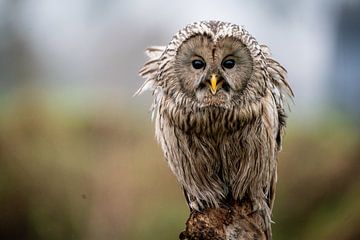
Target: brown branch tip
{"points": [[235, 222]]}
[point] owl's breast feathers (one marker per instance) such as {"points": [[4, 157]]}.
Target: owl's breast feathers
{"points": [[221, 151], [192, 119]]}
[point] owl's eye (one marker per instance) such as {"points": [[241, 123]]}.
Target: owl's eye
{"points": [[198, 64], [230, 63]]}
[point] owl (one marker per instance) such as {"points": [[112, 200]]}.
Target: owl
{"points": [[219, 113]]}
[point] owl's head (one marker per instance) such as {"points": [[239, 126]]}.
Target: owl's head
{"points": [[212, 71], [212, 64]]}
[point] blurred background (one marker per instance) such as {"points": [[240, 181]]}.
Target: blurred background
{"points": [[78, 157]]}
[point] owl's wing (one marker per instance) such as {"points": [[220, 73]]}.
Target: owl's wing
{"points": [[277, 73], [281, 89], [150, 68]]}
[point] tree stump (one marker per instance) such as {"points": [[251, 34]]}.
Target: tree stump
{"points": [[235, 222]]}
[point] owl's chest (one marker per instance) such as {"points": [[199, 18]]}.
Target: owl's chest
{"points": [[215, 150], [211, 123], [221, 146], [218, 134]]}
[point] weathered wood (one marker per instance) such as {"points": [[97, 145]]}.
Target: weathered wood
{"points": [[234, 222]]}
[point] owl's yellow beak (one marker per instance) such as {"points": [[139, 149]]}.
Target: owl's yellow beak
{"points": [[214, 84]]}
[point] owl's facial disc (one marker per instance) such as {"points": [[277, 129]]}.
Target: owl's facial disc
{"points": [[212, 73]]}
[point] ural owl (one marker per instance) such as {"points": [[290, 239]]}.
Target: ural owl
{"points": [[219, 113]]}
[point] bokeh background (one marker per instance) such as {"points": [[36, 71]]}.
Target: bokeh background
{"points": [[78, 157]]}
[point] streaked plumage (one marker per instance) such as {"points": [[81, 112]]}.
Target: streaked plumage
{"points": [[221, 146]]}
